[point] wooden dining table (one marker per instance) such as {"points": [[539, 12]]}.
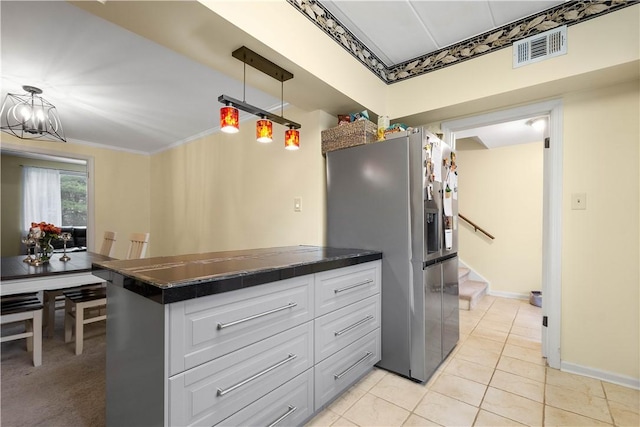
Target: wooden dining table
{"points": [[18, 277]]}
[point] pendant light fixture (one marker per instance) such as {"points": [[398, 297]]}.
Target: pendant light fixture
{"points": [[264, 126], [229, 119], [292, 139], [264, 131], [29, 116]]}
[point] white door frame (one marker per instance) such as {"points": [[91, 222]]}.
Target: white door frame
{"points": [[15, 148], [552, 210]]}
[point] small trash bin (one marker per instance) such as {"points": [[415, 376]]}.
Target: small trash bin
{"points": [[536, 298]]}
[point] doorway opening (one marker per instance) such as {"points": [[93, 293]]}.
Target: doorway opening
{"points": [[75, 190], [551, 207]]}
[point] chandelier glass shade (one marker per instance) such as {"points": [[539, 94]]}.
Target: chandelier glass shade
{"points": [[264, 131], [229, 119], [29, 116], [292, 139]]}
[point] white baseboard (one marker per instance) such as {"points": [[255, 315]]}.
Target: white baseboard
{"points": [[598, 374], [512, 295]]}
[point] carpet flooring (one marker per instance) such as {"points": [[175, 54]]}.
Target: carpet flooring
{"points": [[66, 390]]}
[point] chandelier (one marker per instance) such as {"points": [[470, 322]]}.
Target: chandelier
{"points": [[229, 115], [30, 116]]}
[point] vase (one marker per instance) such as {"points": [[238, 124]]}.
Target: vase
{"points": [[44, 251]]}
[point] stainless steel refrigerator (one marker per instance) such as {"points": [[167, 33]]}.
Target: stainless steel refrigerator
{"points": [[400, 197]]}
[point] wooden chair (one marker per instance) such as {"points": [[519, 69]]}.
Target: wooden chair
{"points": [[138, 245], [50, 298], [24, 308], [76, 302], [75, 317], [107, 244]]}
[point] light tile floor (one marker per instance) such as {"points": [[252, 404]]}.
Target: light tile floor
{"points": [[494, 377]]}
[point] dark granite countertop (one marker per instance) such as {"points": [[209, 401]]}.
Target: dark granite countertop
{"points": [[178, 278]]}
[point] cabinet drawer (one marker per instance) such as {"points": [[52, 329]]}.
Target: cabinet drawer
{"points": [[340, 328], [212, 392], [290, 404], [203, 329], [338, 288], [337, 372]]}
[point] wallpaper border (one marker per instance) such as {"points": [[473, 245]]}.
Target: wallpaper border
{"points": [[569, 13]]}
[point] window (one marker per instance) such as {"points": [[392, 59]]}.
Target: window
{"points": [[73, 197], [55, 196]]}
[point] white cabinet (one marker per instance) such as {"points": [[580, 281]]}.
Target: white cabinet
{"points": [[272, 352], [288, 405], [334, 374], [347, 328], [338, 288], [209, 393], [340, 328], [203, 329]]}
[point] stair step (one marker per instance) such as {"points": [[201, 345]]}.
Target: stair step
{"points": [[463, 274], [470, 293]]}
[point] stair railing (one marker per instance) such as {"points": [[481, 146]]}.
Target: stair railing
{"points": [[476, 227]]}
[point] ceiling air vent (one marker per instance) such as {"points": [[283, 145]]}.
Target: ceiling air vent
{"points": [[540, 47]]}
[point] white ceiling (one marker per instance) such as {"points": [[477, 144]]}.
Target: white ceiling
{"points": [[400, 30], [114, 88], [109, 85], [504, 134]]}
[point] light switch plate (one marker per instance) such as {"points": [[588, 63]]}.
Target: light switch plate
{"points": [[578, 201], [297, 204]]}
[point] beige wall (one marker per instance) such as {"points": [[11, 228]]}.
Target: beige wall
{"points": [[227, 192], [121, 188], [501, 191], [607, 41], [315, 51], [600, 247]]}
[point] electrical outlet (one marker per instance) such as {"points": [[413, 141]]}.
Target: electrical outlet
{"points": [[297, 204], [578, 201]]}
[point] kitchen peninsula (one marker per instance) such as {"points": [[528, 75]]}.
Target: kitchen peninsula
{"points": [[251, 337]]}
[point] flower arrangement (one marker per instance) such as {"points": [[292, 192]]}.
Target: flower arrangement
{"points": [[44, 231]]}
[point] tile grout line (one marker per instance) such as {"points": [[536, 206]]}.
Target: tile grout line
{"points": [[475, 419], [606, 399], [411, 412], [446, 363], [495, 368]]}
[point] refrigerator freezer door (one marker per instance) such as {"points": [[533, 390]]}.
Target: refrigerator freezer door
{"points": [[368, 208], [431, 343], [450, 310]]}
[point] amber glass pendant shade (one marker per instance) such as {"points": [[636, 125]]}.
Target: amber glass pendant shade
{"points": [[264, 130], [229, 119], [292, 139]]}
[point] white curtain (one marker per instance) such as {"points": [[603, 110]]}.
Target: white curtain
{"points": [[41, 200]]}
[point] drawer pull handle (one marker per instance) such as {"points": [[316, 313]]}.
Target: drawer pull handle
{"points": [[346, 288], [346, 371], [289, 358], [355, 325], [291, 410], [255, 316]]}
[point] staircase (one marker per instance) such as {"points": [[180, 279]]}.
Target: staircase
{"points": [[470, 291]]}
